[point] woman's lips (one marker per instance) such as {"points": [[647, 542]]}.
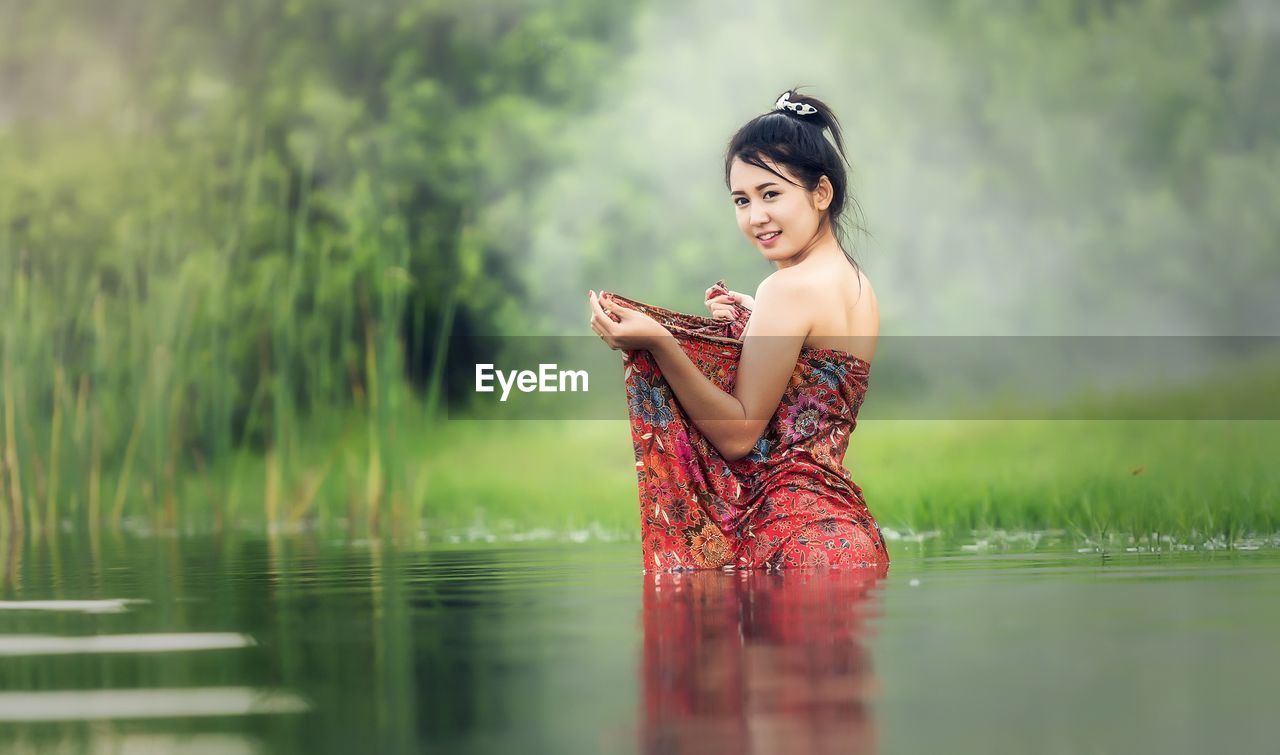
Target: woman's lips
{"points": [[769, 238]]}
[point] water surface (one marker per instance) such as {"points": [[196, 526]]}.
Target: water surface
{"points": [[304, 645]]}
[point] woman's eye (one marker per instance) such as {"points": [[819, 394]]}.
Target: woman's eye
{"points": [[742, 201]]}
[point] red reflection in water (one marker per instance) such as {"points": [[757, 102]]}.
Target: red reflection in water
{"points": [[751, 661]]}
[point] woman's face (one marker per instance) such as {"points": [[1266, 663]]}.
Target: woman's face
{"points": [[778, 217]]}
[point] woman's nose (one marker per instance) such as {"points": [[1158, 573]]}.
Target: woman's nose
{"points": [[759, 216]]}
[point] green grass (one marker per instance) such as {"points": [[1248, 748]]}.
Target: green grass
{"points": [[1095, 481], [383, 467]]}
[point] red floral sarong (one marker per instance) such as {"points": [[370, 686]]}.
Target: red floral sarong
{"points": [[790, 502]]}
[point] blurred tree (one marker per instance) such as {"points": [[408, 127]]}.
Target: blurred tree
{"points": [[219, 215]]}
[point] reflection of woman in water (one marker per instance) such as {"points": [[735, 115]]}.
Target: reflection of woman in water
{"points": [[740, 440], [754, 662]]}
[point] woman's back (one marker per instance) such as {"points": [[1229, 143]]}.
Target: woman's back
{"points": [[844, 318]]}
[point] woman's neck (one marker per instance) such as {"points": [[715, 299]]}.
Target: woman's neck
{"points": [[823, 247]]}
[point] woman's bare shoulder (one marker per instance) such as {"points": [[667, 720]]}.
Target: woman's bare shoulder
{"points": [[786, 283], [837, 297]]}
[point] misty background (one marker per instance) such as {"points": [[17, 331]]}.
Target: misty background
{"points": [[1066, 168]]}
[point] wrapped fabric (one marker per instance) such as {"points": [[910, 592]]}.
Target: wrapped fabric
{"points": [[790, 502]]}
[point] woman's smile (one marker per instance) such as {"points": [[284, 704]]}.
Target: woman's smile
{"points": [[768, 237]]}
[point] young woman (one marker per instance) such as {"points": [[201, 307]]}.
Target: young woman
{"points": [[741, 421]]}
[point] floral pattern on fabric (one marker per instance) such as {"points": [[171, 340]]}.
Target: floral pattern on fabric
{"points": [[790, 502]]}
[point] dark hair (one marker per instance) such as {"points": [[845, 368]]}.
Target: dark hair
{"points": [[797, 142]]}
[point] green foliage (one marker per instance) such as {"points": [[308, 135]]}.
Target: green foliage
{"points": [[222, 225], [217, 217]]}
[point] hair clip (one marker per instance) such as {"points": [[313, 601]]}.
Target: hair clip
{"points": [[799, 108]]}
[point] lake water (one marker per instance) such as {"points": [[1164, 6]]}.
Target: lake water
{"points": [[161, 645]]}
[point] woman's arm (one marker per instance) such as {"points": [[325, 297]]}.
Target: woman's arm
{"points": [[734, 422]]}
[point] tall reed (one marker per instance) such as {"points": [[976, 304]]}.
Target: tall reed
{"points": [[203, 307]]}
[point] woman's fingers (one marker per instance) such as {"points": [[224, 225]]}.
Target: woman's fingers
{"points": [[597, 313], [722, 302], [598, 308], [603, 335], [616, 309], [604, 319], [600, 331], [598, 319], [720, 306]]}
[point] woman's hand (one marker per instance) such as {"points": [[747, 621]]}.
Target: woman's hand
{"points": [[721, 306], [631, 330]]}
